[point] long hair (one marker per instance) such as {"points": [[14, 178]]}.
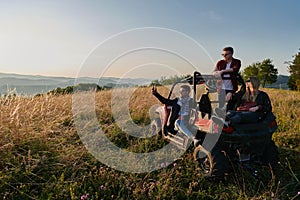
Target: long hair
{"points": [[250, 96]]}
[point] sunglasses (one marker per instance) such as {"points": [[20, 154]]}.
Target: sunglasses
{"points": [[225, 54]]}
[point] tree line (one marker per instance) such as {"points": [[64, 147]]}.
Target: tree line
{"points": [[168, 81], [79, 87], [267, 73]]}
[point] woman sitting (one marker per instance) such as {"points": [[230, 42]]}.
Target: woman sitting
{"points": [[255, 106]]}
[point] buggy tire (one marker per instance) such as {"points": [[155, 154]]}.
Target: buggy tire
{"points": [[220, 164], [270, 154], [204, 161]]}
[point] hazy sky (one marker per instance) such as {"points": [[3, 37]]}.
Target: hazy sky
{"points": [[55, 37]]}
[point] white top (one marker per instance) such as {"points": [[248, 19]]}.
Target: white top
{"points": [[184, 106], [227, 84]]}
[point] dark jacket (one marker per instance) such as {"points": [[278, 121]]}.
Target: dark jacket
{"points": [[235, 65], [263, 102], [171, 102]]}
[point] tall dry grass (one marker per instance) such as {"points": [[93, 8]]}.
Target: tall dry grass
{"points": [[42, 156]]}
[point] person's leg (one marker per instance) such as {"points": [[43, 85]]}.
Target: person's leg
{"points": [[221, 98], [244, 117], [236, 119], [249, 117]]}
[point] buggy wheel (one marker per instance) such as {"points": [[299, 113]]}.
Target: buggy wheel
{"points": [[204, 159], [156, 128], [270, 154], [220, 164]]}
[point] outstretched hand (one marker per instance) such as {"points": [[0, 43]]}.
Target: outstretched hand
{"points": [[154, 90]]}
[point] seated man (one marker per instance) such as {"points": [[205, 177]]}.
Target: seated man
{"points": [[180, 106], [254, 106]]}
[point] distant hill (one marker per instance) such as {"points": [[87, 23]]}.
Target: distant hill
{"points": [[281, 83], [35, 84]]}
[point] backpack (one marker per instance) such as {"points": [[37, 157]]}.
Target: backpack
{"points": [[205, 106]]}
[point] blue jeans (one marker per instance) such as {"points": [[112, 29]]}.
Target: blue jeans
{"points": [[242, 117]]}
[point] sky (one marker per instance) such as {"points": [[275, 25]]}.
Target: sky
{"points": [[113, 38]]}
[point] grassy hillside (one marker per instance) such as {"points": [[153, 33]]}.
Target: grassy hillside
{"points": [[42, 157]]}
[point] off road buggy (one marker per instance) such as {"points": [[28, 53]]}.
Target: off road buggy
{"points": [[217, 147]]}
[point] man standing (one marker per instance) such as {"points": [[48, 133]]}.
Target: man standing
{"points": [[227, 69]]}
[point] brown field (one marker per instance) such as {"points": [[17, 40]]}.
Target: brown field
{"points": [[42, 157]]}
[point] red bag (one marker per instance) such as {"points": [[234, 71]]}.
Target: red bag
{"points": [[246, 106]]}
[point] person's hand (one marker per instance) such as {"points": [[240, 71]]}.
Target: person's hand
{"points": [[254, 109], [228, 96], [217, 74], [154, 90]]}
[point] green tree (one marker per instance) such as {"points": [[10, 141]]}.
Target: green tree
{"points": [[294, 69], [264, 71], [251, 70], [155, 82], [168, 81], [267, 72]]}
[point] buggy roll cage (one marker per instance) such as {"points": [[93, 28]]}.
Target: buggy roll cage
{"points": [[198, 79]]}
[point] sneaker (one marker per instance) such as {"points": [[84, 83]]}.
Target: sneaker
{"points": [[171, 130], [196, 142]]}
